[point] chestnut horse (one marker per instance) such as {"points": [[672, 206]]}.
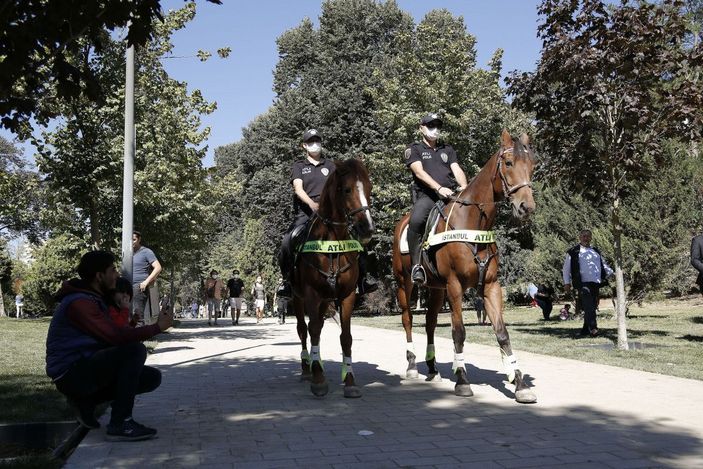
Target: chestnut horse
{"points": [[327, 268], [461, 264]]}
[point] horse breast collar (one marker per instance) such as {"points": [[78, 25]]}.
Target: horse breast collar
{"points": [[332, 247], [466, 236]]}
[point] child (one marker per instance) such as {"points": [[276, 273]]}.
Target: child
{"points": [[564, 313], [120, 299]]}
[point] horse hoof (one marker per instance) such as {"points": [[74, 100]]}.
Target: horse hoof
{"points": [[412, 374], [436, 377], [305, 376], [319, 389], [352, 391], [463, 390], [525, 396]]}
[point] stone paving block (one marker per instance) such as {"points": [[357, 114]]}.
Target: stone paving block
{"points": [[534, 452], [531, 462], [326, 461], [420, 462], [372, 457]]}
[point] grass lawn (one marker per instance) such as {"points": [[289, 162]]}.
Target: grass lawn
{"points": [[673, 328], [26, 393]]}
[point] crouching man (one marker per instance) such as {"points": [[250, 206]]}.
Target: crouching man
{"points": [[91, 360]]}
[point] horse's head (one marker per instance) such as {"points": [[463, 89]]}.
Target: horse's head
{"points": [[514, 167], [348, 190]]}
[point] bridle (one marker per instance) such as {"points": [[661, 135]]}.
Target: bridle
{"points": [[508, 190]]}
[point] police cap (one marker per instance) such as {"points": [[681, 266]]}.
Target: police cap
{"points": [[310, 134], [430, 118]]}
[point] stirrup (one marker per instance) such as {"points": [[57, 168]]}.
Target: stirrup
{"points": [[418, 275]]}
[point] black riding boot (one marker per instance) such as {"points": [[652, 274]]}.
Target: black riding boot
{"points": [[364, 285], [418, 272], [285, 262]]}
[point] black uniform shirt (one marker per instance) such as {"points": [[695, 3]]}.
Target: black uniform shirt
{"points": [[235, 286], [436, 162], [313, 177]]}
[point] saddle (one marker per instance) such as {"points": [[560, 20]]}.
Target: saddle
{"points": [[427, 253]]}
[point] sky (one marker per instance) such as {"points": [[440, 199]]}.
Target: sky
{"points": [[242, 84]]}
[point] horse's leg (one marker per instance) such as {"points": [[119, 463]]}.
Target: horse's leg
{"points": [[435, 301], [302, 327], [405, 289], [494, 308], [345, 339], [454, 294], [316, 313]]}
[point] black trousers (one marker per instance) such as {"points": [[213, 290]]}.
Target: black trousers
{"points": [[114, 374], [588, 293], [421, 210], [545, 305]]}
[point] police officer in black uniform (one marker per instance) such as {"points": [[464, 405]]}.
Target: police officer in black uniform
{"points": [[308, 177], [435, 171]]}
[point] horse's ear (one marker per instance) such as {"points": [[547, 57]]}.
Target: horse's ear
{"points": [[525, 139], [505, 139]]}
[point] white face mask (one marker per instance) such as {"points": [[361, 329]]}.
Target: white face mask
{"points": [[430, 133], [258, 280], [236, 276], [215, 277], [313, 148]]}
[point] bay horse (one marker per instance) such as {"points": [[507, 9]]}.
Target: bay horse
{"points": [[470, 259], [327, 268]]}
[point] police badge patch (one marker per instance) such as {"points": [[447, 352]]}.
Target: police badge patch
{"points": [[444, 157], [407, 153], [325, 171]]}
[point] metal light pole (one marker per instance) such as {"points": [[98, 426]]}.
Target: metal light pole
{"points": [[128, 182]]}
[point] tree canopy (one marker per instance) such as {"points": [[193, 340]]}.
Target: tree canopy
{"points": [[38, 39]]}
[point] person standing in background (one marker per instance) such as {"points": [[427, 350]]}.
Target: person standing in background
{"points": [[145, 270], [697, 258]]}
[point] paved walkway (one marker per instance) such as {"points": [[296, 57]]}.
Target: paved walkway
{"points": [[231, 397]]}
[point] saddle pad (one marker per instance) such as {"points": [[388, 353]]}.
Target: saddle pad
{"points": [[404, 249]]}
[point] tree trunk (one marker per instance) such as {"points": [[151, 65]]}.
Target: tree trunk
{"points": [[94, 230], [621, 299], [2, 304], [173, 290]]}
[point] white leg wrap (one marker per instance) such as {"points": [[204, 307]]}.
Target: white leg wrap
{"points": [[315, 353], [410, 347], [458, 362], [304, 355], [346, 367], [510, 365], [429, 354]]}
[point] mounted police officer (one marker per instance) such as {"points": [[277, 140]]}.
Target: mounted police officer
{"points": [[435, 171], [308, 177]]}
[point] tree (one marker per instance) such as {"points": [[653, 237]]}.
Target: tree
{"points": [[612, 85], [54, 262], [20, 193], [38, 39], [82, 157], [5, 273]]}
